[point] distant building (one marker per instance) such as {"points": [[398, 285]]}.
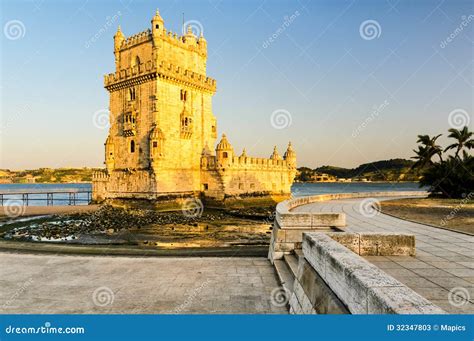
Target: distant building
{"points": [[323, 177], [162, 128]]}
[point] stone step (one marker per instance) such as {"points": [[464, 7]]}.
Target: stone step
{"points": [[292, 263], [284, 274]]}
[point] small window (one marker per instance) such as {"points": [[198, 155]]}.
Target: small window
{"points": [[213, 129], [155, 144], [252, 186], [206, 187], [132, 146], [241, 186], [225, 155], [183, 95], [157, 26]]}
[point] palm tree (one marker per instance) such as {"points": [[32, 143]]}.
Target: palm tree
{"points": [[463, 140], [422, 158], [429, 143]]}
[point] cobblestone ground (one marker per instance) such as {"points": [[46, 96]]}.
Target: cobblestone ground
{"points": [[58, 284], [443, 268]]}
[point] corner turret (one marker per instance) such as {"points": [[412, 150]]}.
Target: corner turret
{"points": [[109, 154], [157, 26], [224, 151], [275, 155], [290, 156]]}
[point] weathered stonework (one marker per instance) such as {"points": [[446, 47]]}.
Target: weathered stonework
{"points": [[162, 127]]}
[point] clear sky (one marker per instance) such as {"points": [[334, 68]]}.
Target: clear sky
{"points": [[344, 92]]}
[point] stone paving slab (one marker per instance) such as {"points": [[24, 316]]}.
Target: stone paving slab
{"points": [[444, 260], [59, 284]]}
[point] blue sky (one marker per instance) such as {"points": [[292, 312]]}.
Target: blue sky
{"points": [[351, 97]]}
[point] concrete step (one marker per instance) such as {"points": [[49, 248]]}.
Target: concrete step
{"points": [[284, 274], [292, 263]]}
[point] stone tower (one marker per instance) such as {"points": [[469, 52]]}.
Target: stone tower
{"points": [[162, 129]]}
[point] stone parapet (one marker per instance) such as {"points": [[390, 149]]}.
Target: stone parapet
{"points": [[359, 285]]}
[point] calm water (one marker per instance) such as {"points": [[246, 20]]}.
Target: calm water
{"points": [[303, 189], [40, 199], [299, 189]]}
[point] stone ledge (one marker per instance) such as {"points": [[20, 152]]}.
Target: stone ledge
{"points": [[362, 287], [377, 244]]}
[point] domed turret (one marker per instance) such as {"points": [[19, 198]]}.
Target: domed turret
{"points": [[244, 153], [156, 144], [118, 39], [157, 25], [275, 155], [290, 155], [109, 153], [224, 151], [190, 37], [202, 42]]}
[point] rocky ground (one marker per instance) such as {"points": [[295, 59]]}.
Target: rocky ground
{"points": [[111, 225]]}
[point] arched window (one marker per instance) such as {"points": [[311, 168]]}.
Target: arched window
{"points": [[137, 61], [132, 146]]}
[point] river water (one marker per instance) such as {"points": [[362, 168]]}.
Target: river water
{"points": [[298, 189]]}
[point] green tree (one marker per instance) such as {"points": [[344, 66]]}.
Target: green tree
{"points": [[463, 139]]}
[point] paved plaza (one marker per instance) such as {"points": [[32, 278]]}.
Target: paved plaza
{"points": [[444, 259], [51, 284]]}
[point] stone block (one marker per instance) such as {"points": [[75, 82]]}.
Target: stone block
{"points": [[284, 247], [349, 240], [387, 244]]}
